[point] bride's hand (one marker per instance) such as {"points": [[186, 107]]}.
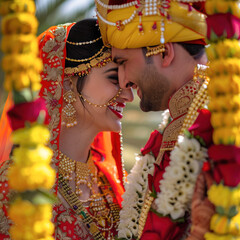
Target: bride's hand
{"points": [[201, 209]]}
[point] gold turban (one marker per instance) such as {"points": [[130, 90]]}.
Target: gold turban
{"points": [[120, 27]]}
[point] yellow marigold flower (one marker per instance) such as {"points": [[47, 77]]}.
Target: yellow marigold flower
{"points": [[21, 79], [222, 6], [223, 225], [19, 43], [220, 85], [228, 48], [226, 135], [225, 103], [229, 66], [21, 62], [36, 86], [224, 196], [7, 7], [25, 23], [23, 232], [36, 134], [228, 119], [24, 156], [219, 224], [43, 229], [17, 214], [234, 5], [43, 212], [46, 238], [213, 236], [210, 7], [216, 119], [211, 52], [24, 178], [234, 225]]}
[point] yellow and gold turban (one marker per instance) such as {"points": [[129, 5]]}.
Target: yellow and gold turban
{"points": [[142, 23]]}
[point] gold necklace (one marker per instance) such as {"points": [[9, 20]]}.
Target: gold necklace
{"points": [[93, 226], [86, 173]]}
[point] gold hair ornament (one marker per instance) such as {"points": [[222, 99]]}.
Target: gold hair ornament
{"points": [[102, 105], [84, 68], [155, 50], [86, 59], [84, 43]]}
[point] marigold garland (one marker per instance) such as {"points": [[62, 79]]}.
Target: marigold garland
{"points": [[223, 6], [224, 196], [30, 175], [224, 92], [7, 7]]}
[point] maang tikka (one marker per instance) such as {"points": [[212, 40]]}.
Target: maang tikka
{"points": [[69, 110]]}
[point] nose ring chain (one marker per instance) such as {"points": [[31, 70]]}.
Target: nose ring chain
{"points": [[102, 105]]}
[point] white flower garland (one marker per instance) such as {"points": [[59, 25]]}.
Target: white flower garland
{"points": [[177, 185], [133, 198], [166, 118]]}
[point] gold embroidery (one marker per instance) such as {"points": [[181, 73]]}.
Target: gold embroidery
{"points": [[5, 222], [65, 217], [178, 107], [62, 235]]}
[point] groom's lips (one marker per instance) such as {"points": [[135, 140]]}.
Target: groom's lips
{"points": [[139, 93]]}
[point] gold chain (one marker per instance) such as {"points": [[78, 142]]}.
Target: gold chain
{"points": [[102, 105], [84, 43], [86, 59]]}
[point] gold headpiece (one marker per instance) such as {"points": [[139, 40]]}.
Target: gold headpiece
{"points": [[143, 23], [99, 59]]}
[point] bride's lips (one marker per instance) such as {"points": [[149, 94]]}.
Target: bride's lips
{"points": [[117, 108]]}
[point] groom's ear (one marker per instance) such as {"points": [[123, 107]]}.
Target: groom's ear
{"points": [[168, 55]]}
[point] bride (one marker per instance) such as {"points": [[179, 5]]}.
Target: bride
{"points": [[85, 105]]}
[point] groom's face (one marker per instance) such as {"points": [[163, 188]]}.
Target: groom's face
{"points": [[143, 74]]}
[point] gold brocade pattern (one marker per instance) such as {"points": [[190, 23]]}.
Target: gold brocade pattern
{"points": [[5, 195], [178, 108]]}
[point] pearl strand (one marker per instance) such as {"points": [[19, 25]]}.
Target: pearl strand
{"points": [[198, 102], [124, 22], [113, 7]]}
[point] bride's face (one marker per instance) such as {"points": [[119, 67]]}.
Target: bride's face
{"points": [[101, 87]]}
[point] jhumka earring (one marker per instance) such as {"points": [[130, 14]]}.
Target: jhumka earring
{"points": [[155, 50], [69, 110]]}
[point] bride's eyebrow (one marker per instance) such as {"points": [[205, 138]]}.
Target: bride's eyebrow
{"points": [[115, 69]]}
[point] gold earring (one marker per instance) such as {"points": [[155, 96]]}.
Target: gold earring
{"points": [[69, 110], [160, 49]]}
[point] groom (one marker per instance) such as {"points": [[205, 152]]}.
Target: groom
{"points": [[160, 50]]}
